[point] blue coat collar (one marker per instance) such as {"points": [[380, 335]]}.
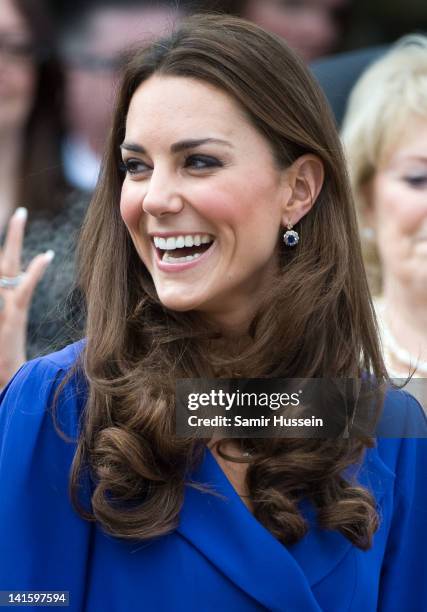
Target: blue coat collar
{"points": [[224, 530]]}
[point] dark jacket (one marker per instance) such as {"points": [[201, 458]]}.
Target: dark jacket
{"points": [[56, 317]]}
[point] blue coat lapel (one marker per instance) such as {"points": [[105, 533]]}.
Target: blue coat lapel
{"points": [[320, 551], [224, 530]]}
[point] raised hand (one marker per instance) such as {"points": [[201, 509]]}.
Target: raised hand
{"points": [[16, 291]]}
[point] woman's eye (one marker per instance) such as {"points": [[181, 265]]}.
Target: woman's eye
{"points": [[419, 180], [202, 162], [134, 166]]}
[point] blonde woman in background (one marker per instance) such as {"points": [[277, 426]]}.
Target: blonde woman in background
{"points": [[385, 136]]}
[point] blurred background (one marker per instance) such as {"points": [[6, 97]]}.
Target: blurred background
{"points": [[62, 76], [362, 22], [59, 65]]}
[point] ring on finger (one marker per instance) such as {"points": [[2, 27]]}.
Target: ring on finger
{"points": [[10, 282], [1, 303]]}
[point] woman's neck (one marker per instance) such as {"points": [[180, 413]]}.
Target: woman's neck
{"points": [[405, 314], [234, 471], [10, 155]]}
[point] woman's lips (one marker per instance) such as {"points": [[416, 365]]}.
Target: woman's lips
{"points": [[167, 266]]}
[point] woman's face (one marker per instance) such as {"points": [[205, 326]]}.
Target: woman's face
{"points": [[17, 69], [199, 175], [398, 196]]}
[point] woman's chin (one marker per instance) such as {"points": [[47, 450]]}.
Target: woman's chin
{"points": [[178, 303]]}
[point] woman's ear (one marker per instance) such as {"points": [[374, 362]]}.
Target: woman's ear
{"points": [[305, 178]]}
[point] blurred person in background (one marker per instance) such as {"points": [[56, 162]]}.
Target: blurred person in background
{"points": [[385, 135], [338, 73], [93, 44], [312, 27], [30, 116], [384, 21], [31, 179]]}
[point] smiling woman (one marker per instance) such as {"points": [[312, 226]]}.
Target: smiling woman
{"points": [[178, 189], [222, 150], [386, 142]]}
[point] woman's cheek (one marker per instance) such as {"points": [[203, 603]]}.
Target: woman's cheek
{"points": [[130, 205], [390, 205], [407, 210]]}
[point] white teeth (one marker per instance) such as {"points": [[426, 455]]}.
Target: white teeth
{"points": [[167, 258], [160, 243], [178, 242]]}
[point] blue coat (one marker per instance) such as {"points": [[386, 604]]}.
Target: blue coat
{"points": [[220, 557]]}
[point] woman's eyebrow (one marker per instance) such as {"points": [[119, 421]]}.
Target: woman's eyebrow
{"points": [[192, 144], [182, 145], [414, 157], [132, 147]]}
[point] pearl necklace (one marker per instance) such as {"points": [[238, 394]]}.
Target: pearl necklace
{"points": [[395, 353]]}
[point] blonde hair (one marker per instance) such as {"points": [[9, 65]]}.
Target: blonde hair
{"points": [[387, 95]]}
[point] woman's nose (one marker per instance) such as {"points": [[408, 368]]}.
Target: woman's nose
{"points": [[163, 196]]}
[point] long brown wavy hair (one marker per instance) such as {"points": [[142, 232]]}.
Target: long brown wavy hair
{"points": [[316, 321]]}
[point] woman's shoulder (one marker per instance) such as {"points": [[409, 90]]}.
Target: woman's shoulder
{"points": [[402, 416], [401, 436], [31, 397], [59, 361], [64, 359]]}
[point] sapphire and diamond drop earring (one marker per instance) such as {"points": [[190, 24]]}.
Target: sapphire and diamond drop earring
{"points": [[291, 237]]}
